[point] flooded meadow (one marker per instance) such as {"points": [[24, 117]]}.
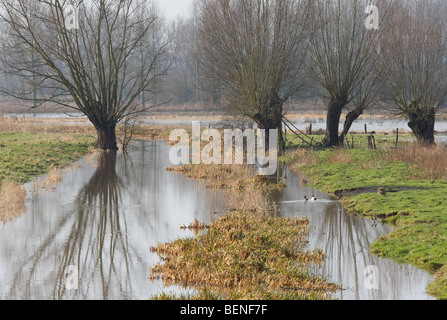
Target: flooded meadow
{"points": [[90, 236]]}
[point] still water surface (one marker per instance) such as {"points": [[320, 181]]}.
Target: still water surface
{"points": [[104, 218]]}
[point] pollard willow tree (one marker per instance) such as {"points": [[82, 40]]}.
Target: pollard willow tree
{"points": [[94, 56], [256, 51], [341, 58], [413, 64]]}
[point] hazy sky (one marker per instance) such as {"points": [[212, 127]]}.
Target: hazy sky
{"points": [[173, 8]]}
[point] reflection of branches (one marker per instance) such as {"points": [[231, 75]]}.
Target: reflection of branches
{"points": [[98, 228], [97, 221], [339, 241], [94, 239], [104, 185]]}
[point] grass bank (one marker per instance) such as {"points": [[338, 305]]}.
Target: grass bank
{"points": [[405, 188], [24, 156], [248, 253]]}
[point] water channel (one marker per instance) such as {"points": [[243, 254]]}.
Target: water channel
{"points": [[104, 217]]}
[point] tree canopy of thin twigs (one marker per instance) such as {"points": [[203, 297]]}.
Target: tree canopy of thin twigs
{"points": [[413, 64], [341, 60], [255, 50], [97, 58]]}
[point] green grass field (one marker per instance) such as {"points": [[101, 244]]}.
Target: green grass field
{"points": [[24, 156]]}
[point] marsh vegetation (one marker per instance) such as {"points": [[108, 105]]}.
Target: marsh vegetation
{"points": [[255, 60], [245, 256], [404, 188], [245, 196]]}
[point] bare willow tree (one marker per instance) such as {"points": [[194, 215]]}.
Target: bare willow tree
{"points": [[255, 50], [413, 64], [341, 61], [95, 56]]}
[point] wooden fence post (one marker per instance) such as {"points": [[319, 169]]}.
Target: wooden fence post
{"points": [[372, 142]]}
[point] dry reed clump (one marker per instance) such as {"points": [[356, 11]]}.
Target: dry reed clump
{"points": [[302, 157], [246, 256], [12, 200], [93, 156], [340, 156], [423, 162], [45, 126], [233, 177], [52, 180], [243, 189], [254, 196], [196, 226]]}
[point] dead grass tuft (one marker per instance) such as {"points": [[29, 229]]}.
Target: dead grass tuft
{"points": [[12, 200], [92, 157], [428, 163], [243, 189], [53, 179], [246, 256], [23, 125], [302, 157], [342, 156], [196, 227]]}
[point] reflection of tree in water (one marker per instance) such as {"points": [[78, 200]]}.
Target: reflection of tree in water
{"points": [[346, 241], [97, 242]]}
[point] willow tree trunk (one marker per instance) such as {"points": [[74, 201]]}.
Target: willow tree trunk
{"points": [[351, 117], [423, 126], [271, 119], [106, 137], [335, 109], [271, 125]]}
